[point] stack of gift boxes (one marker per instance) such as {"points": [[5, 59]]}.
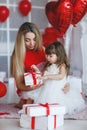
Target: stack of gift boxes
{"points": [[42, 116]]}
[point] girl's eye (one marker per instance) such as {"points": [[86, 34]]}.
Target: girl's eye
{"points": [[50, 55]]}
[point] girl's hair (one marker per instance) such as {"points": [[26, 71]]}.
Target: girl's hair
{"points": [[17, 58], [58, 49]]}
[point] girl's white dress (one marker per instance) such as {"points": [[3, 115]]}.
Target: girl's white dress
{"points": [[51, 92]]}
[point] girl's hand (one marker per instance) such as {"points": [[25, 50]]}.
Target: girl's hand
{"points": [[43, 77], [66, 88]]}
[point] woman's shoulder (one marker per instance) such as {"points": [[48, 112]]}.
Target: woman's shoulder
{"points": [[43, 48]]}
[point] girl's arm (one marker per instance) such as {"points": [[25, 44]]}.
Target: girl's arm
{"points": [[62, 73], [59, 76]]}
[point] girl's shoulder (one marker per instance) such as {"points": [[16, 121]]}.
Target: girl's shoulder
{"points": [[53, 68]]}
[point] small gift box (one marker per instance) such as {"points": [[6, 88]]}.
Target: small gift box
{"points": [[31, 78], [2, 76], [42, 122], [43, 109]]}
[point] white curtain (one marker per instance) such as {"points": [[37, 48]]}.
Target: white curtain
{"points": [[76, 46]]}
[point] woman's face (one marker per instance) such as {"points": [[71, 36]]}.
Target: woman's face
{"points": [[30, 40]]}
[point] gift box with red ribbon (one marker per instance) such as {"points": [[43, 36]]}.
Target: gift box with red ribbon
{"points": [[43, 109], [31, 78], [42, 122]]}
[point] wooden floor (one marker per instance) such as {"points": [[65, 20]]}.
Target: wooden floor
{"points": [[13, 124]]}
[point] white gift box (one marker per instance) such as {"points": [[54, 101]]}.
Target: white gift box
{"points": [[43, 109], [31, 78], [2, 76], [42, 122]]}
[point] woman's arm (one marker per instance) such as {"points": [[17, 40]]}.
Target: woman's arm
{"points": [[20, 84]]}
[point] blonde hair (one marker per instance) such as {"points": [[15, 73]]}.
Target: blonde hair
{"points": [[17, 58]]}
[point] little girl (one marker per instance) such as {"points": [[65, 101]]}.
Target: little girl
{"points": [[55, 77]]}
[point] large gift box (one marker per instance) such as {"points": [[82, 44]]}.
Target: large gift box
{"points": [[42, 122], [42, 116], [31, 78]]}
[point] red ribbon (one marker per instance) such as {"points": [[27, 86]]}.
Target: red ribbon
{"points": [[47, 108], [33, 123], [33, 76], [54, 121], [43, 105], [3, 113]]}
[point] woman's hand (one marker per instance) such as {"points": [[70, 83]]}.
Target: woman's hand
{"points": [[35, 68], [66, 88], [33, 87]]}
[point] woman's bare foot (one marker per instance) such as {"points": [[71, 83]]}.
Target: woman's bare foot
{"points": [[29, 101], [20, 104]]}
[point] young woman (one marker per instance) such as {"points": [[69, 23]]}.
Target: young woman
{"points": [[28, 50]]}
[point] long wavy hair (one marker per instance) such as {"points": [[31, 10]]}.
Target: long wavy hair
{"points": [[58, 49], [17, 58]]}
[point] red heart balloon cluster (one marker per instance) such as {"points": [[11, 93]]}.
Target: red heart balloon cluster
{"points": [[59, 15], [3, 89], [62, 13], [49, 36], [79, 10], [4, 13], [24, 7]]}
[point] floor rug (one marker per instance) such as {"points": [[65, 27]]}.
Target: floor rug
{"points": [[9, 111], [82, 115]]}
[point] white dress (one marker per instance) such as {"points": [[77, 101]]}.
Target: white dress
{"points": [[51, 92]]}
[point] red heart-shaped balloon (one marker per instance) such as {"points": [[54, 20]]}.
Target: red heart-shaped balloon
{"points": [[79, 10], [24, 7], [3, 89], [4, 13], [59, 15], [49, 36]]}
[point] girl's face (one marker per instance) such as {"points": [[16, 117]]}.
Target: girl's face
{"points": [[52, 58], [30, 40]]}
